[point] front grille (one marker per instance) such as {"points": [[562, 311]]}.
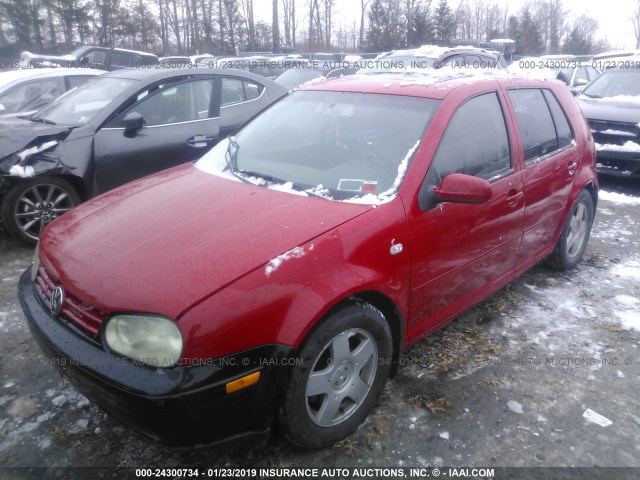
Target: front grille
{"points": [[85, 317], [614, 133]]}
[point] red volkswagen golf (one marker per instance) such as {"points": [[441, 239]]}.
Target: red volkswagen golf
{"points": [[279, 278]]}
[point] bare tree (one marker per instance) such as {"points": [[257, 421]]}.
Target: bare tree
{"points": [[275, 29], [635, 19], [363, 8]]}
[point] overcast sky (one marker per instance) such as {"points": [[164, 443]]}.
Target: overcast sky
{"points": [[613, 15]]}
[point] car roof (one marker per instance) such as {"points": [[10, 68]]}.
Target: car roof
{"points": [[152, 74], [437, 84], [435, 51]]}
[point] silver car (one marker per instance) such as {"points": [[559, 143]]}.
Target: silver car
{"points": [[23, 92]]}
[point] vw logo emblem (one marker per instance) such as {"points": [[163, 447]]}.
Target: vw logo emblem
{"points": [[56, 300]]}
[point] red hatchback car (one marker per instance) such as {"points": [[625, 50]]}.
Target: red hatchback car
{"points": [[280, 277]]}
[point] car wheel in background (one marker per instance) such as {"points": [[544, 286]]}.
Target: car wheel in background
{"points": [[31, 204]]}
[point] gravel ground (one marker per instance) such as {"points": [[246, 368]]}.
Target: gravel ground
{"points": [[508, 384]]}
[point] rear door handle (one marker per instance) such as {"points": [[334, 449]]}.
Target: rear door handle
{"points": [[199, 141], [513, 198], [572, 167]]}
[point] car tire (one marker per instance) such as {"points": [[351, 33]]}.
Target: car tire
{"points": [[33, 203], [575, 234], [343, 366]]}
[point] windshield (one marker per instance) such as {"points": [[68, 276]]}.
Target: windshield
{"points": [[337, 145], [615, 83], [78, 52], [81, 105]]}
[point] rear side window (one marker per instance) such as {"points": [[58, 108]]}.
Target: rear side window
{"points": [[235, 90], [537, 130], [119, 59], [560, 121]]}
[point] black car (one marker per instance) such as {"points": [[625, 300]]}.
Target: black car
{"points": [[101, 58], [611, 105], [120, 127]]}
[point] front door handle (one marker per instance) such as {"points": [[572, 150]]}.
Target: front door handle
{"points": [[513, 198]]}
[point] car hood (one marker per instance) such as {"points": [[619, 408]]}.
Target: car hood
{"points": [[610, 110], [28, 148], [164, 243]]}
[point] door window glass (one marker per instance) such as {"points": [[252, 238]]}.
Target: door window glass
{"points": [[475, 141], [535, 123], [565, 137], [119, 59], [184, 102]]}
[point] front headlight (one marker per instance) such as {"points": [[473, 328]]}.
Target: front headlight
{"points": [[154, 341]]}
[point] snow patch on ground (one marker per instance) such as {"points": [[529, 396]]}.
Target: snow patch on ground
{"points": [[619, 198]]}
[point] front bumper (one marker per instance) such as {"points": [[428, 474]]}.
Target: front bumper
{"points": [[185, 406]]}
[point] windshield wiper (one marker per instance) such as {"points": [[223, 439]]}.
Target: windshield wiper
{"points": [[271, 178], [231, 158], [42, 120]]}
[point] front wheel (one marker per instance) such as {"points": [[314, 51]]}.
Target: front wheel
{"points": [[31, 204], [345, 362], [575, 234]]}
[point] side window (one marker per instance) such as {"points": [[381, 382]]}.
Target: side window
{"points": [[173, 103], [232, 91], [581, 74], [252, 90], [535, 123], [97, 58], [475, 141], [235, 90], [119, 59], [456, 61], [592, 73], [565, 137], [32, 95]]}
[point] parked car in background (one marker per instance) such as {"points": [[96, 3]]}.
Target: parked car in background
{"points": [[566, 68], [319, 70], [611, 105], [430, 57], [280, 277], [101, 58], [176, 61], [124, 125], [616, 59], [22, 92]]}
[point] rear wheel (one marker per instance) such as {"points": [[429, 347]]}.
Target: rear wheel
{"points": [[31, 204], [575, 234], [345, 363]]}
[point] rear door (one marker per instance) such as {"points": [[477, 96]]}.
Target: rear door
{"points": [[550, 163], [181, 124], [461, 251]]}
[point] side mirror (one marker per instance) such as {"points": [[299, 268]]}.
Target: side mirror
{"points": [[132, 123], [581, 82], [460, 188]]}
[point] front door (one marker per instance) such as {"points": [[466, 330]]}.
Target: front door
{"points": [[181, 124], [462, 251]]}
